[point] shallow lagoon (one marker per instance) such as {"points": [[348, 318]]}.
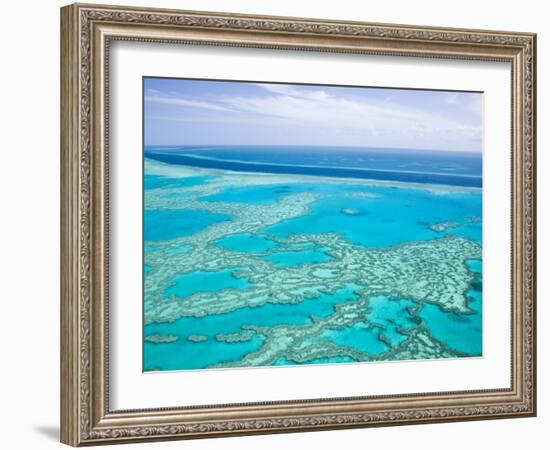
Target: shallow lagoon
{"points": [[462, 332], [393, 216], [157, 181], [268, 315], [298, 257], [258, 195], [188, 284], [166, 224], [246, 242]]}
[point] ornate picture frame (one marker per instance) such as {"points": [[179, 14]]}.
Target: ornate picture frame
{"points": [[87, 32]]}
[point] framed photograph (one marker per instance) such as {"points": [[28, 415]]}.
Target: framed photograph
{"points": [[276, 224]]}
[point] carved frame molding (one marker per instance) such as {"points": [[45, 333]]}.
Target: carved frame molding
{"points": [[86, 32]]}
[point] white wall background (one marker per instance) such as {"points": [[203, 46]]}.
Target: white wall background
{"points": [[29, 222]]}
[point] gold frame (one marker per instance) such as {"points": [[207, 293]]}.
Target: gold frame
{"points": [[86, 31]]}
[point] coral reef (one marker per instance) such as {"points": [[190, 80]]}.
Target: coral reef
{"points": [[425, 272], [160, 338], [197, 338]]}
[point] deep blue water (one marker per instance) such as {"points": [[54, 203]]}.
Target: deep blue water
{"points": [[418, 166]]}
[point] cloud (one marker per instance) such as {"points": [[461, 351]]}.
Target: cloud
{"points": [[378, 116], [292, 91], [185, 102], [451, 122], [222, 119]]}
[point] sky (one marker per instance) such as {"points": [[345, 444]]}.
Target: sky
{"points": [[206, 112]]}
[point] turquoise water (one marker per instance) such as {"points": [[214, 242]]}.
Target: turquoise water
{"points": [[184, 354], [179, 250], [297, 258], [395, 216], [271, 193], [361, 336], [255, 195], [330, 360], [178, 194], [157, 181], [386, 317], [475, 265], [166, 224], [246, 242], [268, 315], [392, 315], [191, 283], [461, 332]]}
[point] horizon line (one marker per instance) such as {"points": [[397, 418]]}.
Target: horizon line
{"points": [[312, 145]]}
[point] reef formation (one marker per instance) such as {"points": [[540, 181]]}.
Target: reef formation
{"points": [[424, 272]]}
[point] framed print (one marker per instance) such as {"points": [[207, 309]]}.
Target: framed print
{"points": [[276, 224]]}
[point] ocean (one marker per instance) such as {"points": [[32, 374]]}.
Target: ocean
{"points": [[408, 166], [281, 256]]}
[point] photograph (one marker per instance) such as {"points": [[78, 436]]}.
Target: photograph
{"points": [[283, 223], [294, 224]]}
